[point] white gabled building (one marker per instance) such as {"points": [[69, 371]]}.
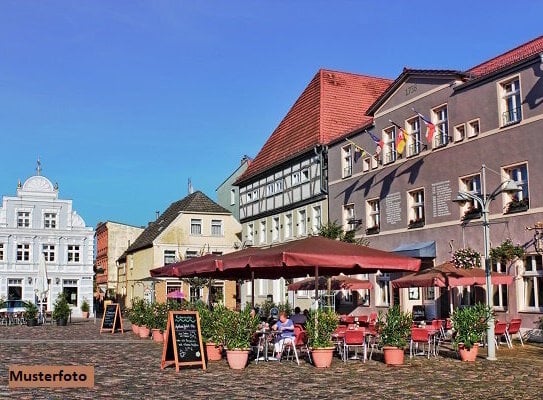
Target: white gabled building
{"points": [[36, 221]]}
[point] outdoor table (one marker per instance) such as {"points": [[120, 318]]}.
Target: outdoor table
{"points": [[264, 339]]}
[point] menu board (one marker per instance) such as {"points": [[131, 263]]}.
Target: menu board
{"points": [[419, 313], [112, 320], [183, 343]]}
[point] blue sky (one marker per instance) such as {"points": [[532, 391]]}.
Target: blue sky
{"points": [[124, 101]]}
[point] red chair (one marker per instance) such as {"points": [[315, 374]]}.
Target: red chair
{"points": [[419, 336], [338, 337], [513, 329], [373, 318], [354, 338], [500, 330]]}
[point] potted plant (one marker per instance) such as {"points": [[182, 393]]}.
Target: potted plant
{"points": [[136, 314], [158, 320], [61, 310], [212, 329], [239, 328], [31, 313], [85, 308], [320, 326], [394, 329], [146, 317], [469, 325]]}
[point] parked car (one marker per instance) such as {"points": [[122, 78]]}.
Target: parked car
{"points": [[13, 306]]}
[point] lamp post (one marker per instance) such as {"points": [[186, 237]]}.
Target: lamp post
{"points": [[484, 201]]}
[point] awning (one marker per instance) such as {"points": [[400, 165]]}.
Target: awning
{"points": [[417, 249]]}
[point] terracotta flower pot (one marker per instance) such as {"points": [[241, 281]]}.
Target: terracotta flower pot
{"points": [[213, 351], [322, 357], [136, 329], [144, 332], [157, 335], [393, 355], [468, 354], [84, 314], [237, 359]]}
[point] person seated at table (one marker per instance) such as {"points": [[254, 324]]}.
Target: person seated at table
{"points": [[298, 317], [285, 327]]}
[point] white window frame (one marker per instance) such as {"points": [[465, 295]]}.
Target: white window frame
{"points": [[49, 252], [302, 222], [532, 279], [23, 218], [500, 293], [440, 118], [295, 178], [366, 164], [23, 252], [348, 215], [389, 150], [189, 254], [470, 184], [217, 228], [288, 226], [275, 229], [270, 189], [278, 186], [382, 290], [346, 161], [250, 232], [375, 161], [415, 200], [74, 254], [233, 197], [413, 138], [316, 220], [50, 220], [304, 177], [510, 101], [459, 132], [373, 215], [474, 128], [262, 235], [519, 174], [195, 227], [169, 256]]}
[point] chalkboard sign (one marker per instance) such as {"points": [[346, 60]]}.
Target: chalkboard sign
{"points": [[183, 343], [112, 320], [419, 313]]}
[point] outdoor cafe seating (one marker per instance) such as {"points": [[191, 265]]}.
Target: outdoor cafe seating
{"points": [[355, 337], [513, 328]]}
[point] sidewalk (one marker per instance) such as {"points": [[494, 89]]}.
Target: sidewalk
{"points": [[127, 367]]}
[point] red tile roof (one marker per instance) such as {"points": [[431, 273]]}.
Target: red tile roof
{"points": [[332, 104], [519, 53]]}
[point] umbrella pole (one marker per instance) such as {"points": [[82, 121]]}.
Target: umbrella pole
{"points": [[252, 289], [317, 286]]}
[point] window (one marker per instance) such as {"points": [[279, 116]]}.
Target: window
{"points": [[249, 197], [366, 163], [195, 226], [15, 289], [23, 219], [510, 101], [295, 178], [532, 280], [473, 128], [195, 293], [216, 294], [169, 257], [73, 253], [389, 150], [48, 251], [346, 161], [270, 188], [416, 209], [288, 226], [69, 287], [305, 175], [518, 201], [216, 227], [190, 254], [232, 196], [317, 219], [302, 223], [23, 252], [413, 139], [275, 229], [374, 161], [441, 137], [471, 209], [499, 292], [459, 132], [348, 217], [278, 186], [250, 232], [382, 291], [49, 220], [1, 251], [373, 217], [255, 195], [262, 234]]}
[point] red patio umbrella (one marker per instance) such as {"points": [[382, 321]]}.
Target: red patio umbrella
{"points": [[336, 283], [176, 294]]}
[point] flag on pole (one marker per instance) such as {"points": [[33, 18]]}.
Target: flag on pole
{"points": [[378, 142], [402, 138], [430, 128], [357, 147]]}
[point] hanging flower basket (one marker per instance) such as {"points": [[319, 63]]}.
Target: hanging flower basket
{"points": [[466, 258]]}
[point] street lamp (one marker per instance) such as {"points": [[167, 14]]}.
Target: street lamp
{"points": [[484, 200]]}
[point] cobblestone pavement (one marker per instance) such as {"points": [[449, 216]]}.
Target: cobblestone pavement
{"points": [[128, 367]]}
